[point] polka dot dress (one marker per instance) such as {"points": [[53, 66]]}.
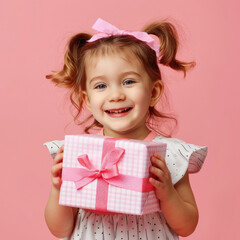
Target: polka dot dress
{"points": [[180, 157], [91, 226]]}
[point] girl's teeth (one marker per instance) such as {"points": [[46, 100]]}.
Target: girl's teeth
{"points": [[119, 111], [115, 111]]}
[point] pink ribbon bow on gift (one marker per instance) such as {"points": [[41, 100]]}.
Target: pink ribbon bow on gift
{"points": [[106, 29], [108, 169]]}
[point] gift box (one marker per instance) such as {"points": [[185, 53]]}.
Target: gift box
{"points": [[108, 174]]}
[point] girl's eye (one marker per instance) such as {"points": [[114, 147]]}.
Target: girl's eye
{"points": [[101, 86], [128, 82]]}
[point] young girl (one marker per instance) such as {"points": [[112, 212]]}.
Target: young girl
{"points": [[115, 73]]}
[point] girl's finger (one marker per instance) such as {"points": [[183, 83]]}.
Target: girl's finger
{"points": [[157, 184], [56, 181], [58, 158], [158, 156], [158, 173], [61, 149], [56, 169], [159, 163]]}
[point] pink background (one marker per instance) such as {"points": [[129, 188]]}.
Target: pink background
{"points": [[33, 37]]}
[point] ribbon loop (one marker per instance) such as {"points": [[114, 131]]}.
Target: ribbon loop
{"points": [[104, 27], [84, 161], [112, 157], [108, 170]]}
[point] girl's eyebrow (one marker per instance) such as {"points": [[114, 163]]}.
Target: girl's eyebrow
{"points": [[130, 73], [97, 77], [103, 77]]}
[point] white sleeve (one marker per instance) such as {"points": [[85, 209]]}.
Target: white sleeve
{"points": [[181, 156], [53, 146]]}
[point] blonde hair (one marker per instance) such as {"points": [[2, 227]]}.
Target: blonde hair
{"points": [[73, 75]]}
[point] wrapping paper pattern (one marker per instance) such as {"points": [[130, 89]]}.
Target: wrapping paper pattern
{"points": [[135, 162]]}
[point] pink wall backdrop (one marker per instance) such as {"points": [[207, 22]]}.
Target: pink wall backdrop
{"points": [[33, 37]]}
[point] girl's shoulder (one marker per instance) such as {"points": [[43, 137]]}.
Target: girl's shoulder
{"points": [[181, 156]]}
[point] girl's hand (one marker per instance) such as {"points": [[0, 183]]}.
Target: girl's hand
{"points": [[162, 178], [56, 171]]}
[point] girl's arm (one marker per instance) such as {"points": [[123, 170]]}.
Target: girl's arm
{"points": [[60, 219], [177, 202]]}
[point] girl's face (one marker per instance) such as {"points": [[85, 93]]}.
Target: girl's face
{"points": [[119, 93]]}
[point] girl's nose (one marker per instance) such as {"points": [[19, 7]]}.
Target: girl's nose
{"points": [[116, 95]]}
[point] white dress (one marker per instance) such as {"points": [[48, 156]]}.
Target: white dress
{"points": [[180, 157]]}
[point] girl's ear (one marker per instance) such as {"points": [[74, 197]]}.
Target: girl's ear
{"points": [[86, 100], [157, 91]]}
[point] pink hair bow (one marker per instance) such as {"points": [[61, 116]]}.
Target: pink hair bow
{"points": [[106, 29], [108, 169]]}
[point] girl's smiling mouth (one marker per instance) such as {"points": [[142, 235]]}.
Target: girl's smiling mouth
{"points": [[119, 112]]}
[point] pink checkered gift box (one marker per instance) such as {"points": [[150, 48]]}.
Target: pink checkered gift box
{"points": [[108, 174]]}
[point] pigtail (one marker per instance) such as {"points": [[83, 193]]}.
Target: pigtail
{"points": [[168, 37], [68, 76], [73, 71]]}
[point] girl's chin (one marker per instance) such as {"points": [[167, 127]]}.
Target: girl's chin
{"points": [[122, 131], [117, 131]]}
